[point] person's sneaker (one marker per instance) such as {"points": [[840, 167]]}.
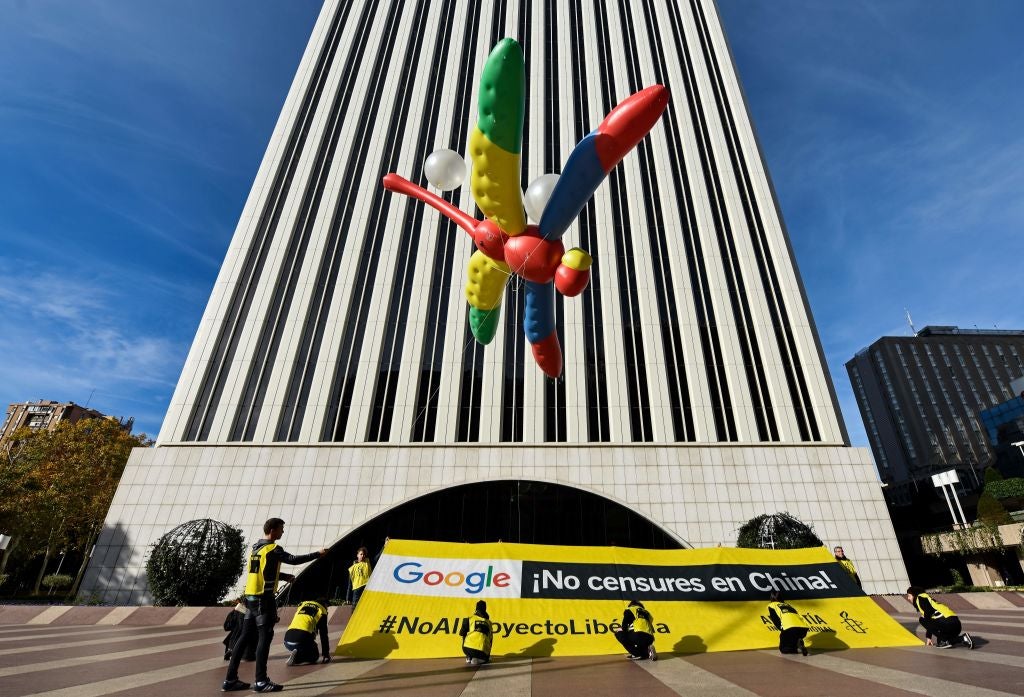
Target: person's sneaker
{"points": [[968, 641], [943, 645], [468, 659], [233, 685], [652, 654], [268, 686], [636, 658], [292, 656], [475, 661]]}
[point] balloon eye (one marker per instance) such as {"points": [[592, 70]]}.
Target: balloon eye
{"points": [[537, 194], [445, 169]]}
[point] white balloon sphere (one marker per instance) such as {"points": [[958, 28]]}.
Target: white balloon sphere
{"points": [[445, 169], [537, 194]]}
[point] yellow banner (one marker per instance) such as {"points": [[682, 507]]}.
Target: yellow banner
{"points": [[568, 601]]}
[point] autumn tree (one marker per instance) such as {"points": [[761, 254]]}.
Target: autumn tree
{"points": [[61, 483]]}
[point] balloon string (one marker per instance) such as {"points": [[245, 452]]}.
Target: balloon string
{"points": [[472, 339]]}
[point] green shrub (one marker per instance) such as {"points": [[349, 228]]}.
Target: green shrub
{"points": [[196, 563], [776, 531], [3, 578], [992, 475], [1006, 488], [54, 581]]}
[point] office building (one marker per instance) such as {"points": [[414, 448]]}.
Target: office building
{"points": [[334, 382], [922, 398]]}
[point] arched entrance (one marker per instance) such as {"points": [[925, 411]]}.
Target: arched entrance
{"points": [[530, 512]]}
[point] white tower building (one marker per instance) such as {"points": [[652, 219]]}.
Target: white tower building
{"points": [[333, 380]]}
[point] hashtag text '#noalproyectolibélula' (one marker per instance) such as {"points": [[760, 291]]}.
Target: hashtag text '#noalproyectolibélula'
{"points": [[451, 625]]}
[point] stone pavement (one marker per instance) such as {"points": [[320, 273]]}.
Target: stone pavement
{"points": [[89, 652]]}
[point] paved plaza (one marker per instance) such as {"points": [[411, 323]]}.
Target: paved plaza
{"points": [[177, 651]]}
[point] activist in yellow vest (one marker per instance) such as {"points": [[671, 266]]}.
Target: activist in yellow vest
{"points": [[643, 623], [847, 565], [936, 610], [938, 620], [310, 619], [255, 582], [359, 575], [637, 633], [308, 616], [476, 635], [789, 618], [792, 627]]}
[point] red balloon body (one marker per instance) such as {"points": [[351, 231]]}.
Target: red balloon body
{"points": [[490, 240], [548, 354], [571, 282], [533, 257]]}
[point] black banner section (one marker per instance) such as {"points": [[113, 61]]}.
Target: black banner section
{"points": [[570, 581]]}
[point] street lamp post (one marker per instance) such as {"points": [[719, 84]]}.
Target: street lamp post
{"points": [[941, 481]]}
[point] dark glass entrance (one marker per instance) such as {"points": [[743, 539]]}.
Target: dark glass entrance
{"points": [[507, 511]]}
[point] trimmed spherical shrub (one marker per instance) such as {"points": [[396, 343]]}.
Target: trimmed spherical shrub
{"points": [[196, 563], [776, 531]]}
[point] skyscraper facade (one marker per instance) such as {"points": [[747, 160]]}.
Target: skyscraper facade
{"points": [[922, 399], [334, 378]]}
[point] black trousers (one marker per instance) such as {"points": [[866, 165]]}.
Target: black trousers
{"points": [[945, 629], [636, 643], [259, 629], [308, 651], [789, 639], [476, 653]]}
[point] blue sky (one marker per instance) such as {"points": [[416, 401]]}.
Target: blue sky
{"points": [[130, 133]]}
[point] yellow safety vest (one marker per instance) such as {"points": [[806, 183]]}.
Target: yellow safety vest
{"points": [[940, 609], [788, 615], [642, 624], [359, 574], [479, 635], [255, 582], [308, 616], [848, 567]]}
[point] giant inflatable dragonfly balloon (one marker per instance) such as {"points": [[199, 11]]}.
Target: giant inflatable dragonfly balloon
{"points": [[505, 245]]}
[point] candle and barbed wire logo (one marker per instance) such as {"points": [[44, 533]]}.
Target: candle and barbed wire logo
{"points": [[852, 624]]}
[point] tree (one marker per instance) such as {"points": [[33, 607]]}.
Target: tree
{"points": [[196, 563], [991, 511], [776, 531], [61, 483]]}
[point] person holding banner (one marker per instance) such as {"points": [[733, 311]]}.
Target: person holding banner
{"points": [[792, 627], [637, 633], [476, 635], [847, 565], [359, 575], [939, 620], [300, 639]]}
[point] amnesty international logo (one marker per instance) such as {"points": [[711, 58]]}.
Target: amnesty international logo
{"points": [[852, 624]]}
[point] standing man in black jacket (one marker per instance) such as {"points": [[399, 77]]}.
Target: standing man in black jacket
{"points": [[264, 571]]}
